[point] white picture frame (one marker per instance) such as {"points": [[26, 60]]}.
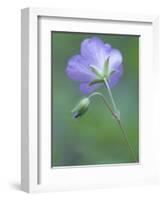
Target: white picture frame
{"points": [[36, 171]]}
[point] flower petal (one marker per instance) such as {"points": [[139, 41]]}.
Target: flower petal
{"points": [[115, 59], [95, 51], [78, 69], [113, 80], [86, 88]]}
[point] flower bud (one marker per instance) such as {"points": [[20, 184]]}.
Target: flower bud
{"points": [[81, 108]]}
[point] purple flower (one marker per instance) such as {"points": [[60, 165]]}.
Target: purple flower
{"points": [[95, 62]]}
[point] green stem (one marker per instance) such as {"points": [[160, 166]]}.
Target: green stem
{"points": [[126, 138], [117, 117], [105, 101], [111, 96]]}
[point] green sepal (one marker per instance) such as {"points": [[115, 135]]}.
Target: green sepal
{"points": [[96, 81], [94, 70], [111, 73], [106, 68]]}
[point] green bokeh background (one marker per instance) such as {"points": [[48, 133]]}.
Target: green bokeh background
{"points": [[95, 138]]}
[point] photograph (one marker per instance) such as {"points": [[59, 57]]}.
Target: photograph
{"points": [[94, 99]]}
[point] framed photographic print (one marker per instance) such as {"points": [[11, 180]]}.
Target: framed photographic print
{"points": [[88, 115]]}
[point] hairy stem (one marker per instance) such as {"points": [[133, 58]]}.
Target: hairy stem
{"points": [[111, 96], [126, 138], [104, 99], [116, 115]]}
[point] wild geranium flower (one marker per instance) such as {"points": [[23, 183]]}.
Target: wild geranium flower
{"points": [[97, 61]]}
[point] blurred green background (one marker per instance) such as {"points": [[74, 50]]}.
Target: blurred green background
{"points": [[95, 138]]}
